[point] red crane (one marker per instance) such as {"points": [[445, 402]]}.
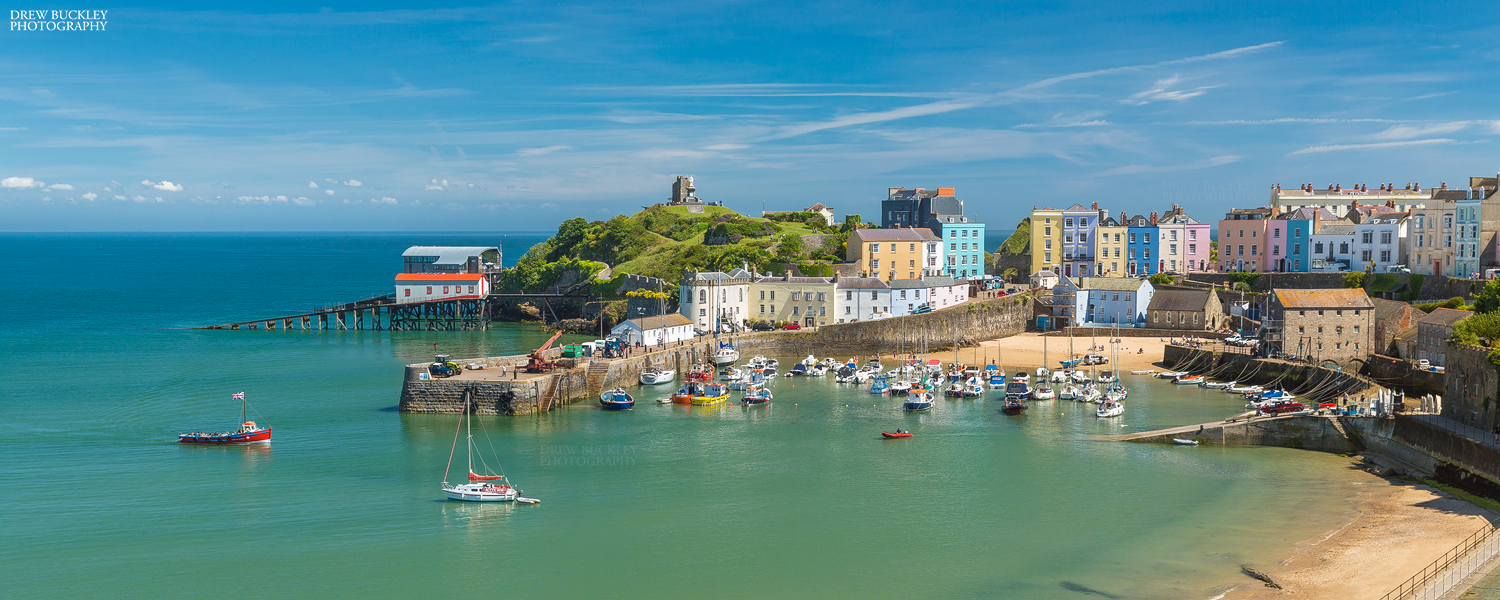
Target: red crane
{"points": [[537, 362]]}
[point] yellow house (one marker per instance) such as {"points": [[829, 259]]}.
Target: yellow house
{"points": [[887, 254], [1109, 245], [1046, 239]]}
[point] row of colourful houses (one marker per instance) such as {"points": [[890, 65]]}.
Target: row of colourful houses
{"points": [[1081, 241], [736, 298]]}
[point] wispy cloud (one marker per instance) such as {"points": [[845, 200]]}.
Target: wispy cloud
{"points": [[1202, 164], [1051, 81], [1402, 132], [1374, 146], [1163, 91]]}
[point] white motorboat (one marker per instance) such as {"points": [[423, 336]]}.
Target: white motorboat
{"points": [[1081, 377], [1069, 392], [731, 374], [1042, 373], [1059, 377], [1169, 374], [489, 487], [1110, 409], [1092, 394], [973, 389], [726, 355], [1218, 384], [1115, 394], [1107, 377], [1043, 392], [756, 362], [809, 361], [1023, 377], [1244, 389], [900, 387], [1145, 372], [655, 376], [918, 401], [771, 362], [861, 376], [1183, 442], [817, 370]]}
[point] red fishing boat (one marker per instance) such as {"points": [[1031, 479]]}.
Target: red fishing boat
{"points": [[248, 431], [898, 434]]}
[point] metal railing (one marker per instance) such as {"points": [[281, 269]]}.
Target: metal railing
{"points": [[1454, 566]]}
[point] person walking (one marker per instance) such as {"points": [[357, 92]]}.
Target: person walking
{"points": [[1497, 433]]}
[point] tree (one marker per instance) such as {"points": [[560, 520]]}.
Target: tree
{"points": [[1213, 253], [1355, 279], [1161, 279], [1488, 300]]}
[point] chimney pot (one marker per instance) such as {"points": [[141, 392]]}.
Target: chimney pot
{"points": [[1445, 185]]}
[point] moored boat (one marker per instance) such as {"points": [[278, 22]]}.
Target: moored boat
{"points": [[797, 369], [616, 399], [654, 376], [1183, 442], [756, 396], [880, 386], [917, 400], [1013, 407], [248, 431], [713, 393], [726, 355], [1043, 392], [689, 390], [487, 487], [890, 435], [1018, 390], [1188, 380], [1110, 409]]}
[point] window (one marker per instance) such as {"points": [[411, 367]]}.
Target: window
{"points": [[1320, 327], [1296, 248], [773, 308], [1117, 295], [1132, 238], [1049, 229], [1297, 232], [1385, 256], [762, 294], [445, 289], [702, 312], [874, 295], [820, 311], [1192, 248], [847, 310], [849, 295], [1068, 222], [875, 248], [1364, 255], [1155, 317], [408, 292], [1301, 329], [1146, 254], [903, 294], [874, 265], [1127, 296], [1253, 248], [911, 247], [1192, 234], [1145, 238], [429, 290], [742, 294], [1117, 238], [1343, 247], [796, 296], [1385, 237], [795, 309], [1130, 253], [471, 289], [1174, 235], [820, 297], [952, 234], [964, 233], [1276, 232], [1049, 220], [893, 247], [1318, 248], [1242, 233], [1117, 253], [1083, 238], [1252, 233], [1367, 237], [1276, 250], [773, 297], [954, 247], [1173, 249], [1047, 257]]}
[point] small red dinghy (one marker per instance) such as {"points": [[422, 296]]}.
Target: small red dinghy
{"points": [[898, 434]]}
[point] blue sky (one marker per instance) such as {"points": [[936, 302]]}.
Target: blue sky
{"points": [[517, 116]]}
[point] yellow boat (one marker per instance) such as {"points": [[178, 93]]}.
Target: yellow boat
{"points": [[712, 394]]}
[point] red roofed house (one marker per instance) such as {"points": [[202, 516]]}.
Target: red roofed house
{"points": [[421, 287]]}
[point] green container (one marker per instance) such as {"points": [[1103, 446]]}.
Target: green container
{"points": [[572, 351]]}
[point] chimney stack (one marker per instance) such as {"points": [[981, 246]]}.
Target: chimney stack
{"points": [[1096, 206], [1445, 185]]}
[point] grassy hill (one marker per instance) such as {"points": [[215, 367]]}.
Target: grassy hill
{"points": [[661, 241]]}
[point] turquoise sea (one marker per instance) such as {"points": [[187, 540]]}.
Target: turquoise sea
{"points": [[800, 498]]}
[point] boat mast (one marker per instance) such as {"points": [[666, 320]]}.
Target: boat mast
{"points": [[469, 433]]}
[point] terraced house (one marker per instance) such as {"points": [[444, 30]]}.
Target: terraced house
{"points": [[888, 254], [806, 301]]}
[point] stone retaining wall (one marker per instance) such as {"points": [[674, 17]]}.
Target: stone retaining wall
{"points": [[1298, 378], [1307, 433]]}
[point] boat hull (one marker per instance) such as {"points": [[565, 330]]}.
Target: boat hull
{"points": [[612, 405], [233, 438], [894, 436], [479, 496], [708, 400]]}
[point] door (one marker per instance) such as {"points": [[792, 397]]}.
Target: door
{"points": [[808, 322]]}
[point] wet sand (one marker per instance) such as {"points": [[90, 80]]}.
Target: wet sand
{"points": [[1400, 529]]}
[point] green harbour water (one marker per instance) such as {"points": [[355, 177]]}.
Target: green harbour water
{"points": [[800, 498]]}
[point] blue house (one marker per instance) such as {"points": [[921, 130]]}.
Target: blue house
{"points": [[963, 247], [1102, 301], [1141, 253]]}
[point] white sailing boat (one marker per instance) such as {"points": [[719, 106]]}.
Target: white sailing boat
{"points": [[487, 487]]}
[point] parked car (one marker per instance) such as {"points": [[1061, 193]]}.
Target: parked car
{"points": [[791, 326], [925, 308], [1284, 407], [763, 327], [1094, 359]]}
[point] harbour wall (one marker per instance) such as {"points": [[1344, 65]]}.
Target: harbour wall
{"points": [[965, 325], [1298, 378], [1311, 432]]}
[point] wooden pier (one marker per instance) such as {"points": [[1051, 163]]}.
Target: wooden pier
{"points": [[380, 313]]}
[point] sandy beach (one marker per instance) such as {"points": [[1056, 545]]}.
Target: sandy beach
{"points": [[1400, 529], [1025, 352]]}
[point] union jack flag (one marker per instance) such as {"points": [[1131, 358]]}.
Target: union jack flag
{"points": [[239, 396]]}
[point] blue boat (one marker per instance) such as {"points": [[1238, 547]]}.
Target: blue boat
{"points": [[1068, 364], [918, 401], [616, 399], [880, 386], [798, 369], [1018, 390], [756, 396]]}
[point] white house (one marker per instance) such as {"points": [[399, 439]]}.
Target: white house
{"points": [[861, 299], [1332, 248], [1380, 242], [710, 298], [421, 287], [907, 295], [651, 331], [945, 291], [1044, 279]]}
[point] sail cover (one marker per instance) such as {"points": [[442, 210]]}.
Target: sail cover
{"points": [[476, 477]]}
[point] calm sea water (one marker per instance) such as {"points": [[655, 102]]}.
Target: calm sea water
{"points": [[797, 499]]}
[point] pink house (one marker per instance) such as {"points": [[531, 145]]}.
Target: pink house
{"points": [[1242, 240], [1184, 243]]}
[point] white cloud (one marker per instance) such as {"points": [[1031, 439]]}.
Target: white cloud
{"points": [[20, 182], [168, 186], [158, 199], [726, 147], [90, 196], [433, 187], [471, 186], [61, 186], [261, 199], [354, 183], [1202, 164], [312, 184], [329, 192], [303, 201], [385, 200], [146, 182], [119, 197], [1163, 91], [1375, 146], [542, 150], [1402, 132], [548, 205], [138, 198], [107, 189], [330, 180]]}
